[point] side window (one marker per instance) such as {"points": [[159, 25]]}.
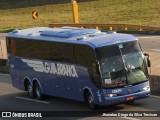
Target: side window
{"points": [[21, 47], [45, 50], [32, 49], [13, 47], [68, 53], [86, 57], [39, 50], [62, 52], [8, 41], [57, 51]]}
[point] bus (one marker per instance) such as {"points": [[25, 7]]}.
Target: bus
{"points": [[99, 68]]}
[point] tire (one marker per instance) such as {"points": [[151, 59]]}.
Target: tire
{"points": [[38, 92], [31, 92], [90, 101]]}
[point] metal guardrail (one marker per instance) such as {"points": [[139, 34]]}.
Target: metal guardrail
{"points": [[109, 26]]}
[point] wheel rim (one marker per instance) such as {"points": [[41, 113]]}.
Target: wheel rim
{"points": [[38, 93], [90, 101], [30, 90]]}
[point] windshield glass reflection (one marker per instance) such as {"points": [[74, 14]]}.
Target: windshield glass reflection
{"points": [[122, 64]]}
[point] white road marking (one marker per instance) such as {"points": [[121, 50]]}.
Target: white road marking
{"points": [[29, 99], [157, 37], [4, 92], [155, 96], [4, 74], [130, 118], [156, 50]]}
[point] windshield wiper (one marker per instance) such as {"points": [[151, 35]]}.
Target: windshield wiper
{"points": [[139, 82]]}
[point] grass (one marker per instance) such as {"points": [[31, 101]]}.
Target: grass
{"points": [[140, 12]]}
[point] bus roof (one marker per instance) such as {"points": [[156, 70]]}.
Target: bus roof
{"points": [[92, 37]]}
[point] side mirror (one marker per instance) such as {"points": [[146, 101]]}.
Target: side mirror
{"points": [[146, 54], [148, 60]]}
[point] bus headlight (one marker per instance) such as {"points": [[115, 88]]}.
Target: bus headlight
{"points": [[111, 95], [146, 88]]}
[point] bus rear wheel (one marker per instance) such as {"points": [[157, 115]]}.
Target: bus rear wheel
{"points": [[90, 101], [31, 91], [38, 91]]}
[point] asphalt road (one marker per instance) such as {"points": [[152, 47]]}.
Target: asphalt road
{"points": [[12, 99], [151, 45]]}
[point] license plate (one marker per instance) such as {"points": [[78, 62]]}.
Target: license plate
{"points": [[130, 98]]}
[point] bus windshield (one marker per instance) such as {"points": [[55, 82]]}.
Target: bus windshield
{"points": [[122, 64]]}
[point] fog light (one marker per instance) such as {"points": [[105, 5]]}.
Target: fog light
{"points": [[147, 88], [111, 95]]}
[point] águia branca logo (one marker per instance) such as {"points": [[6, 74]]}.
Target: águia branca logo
{"points": [[52, 68]]}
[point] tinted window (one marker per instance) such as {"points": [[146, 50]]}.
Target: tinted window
{"points": [[85, 55], [44, 50], [32, 49], [62, 52], [11, 46]]}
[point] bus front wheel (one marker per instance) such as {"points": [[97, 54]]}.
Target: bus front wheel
{"points": [[90, 101]]}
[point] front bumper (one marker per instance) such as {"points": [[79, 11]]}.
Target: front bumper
{"points": [[123, 99]]}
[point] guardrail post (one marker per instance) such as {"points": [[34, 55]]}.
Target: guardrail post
{"points": [[126, 28], [110, 28], [97, 28], [75, 11]]}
